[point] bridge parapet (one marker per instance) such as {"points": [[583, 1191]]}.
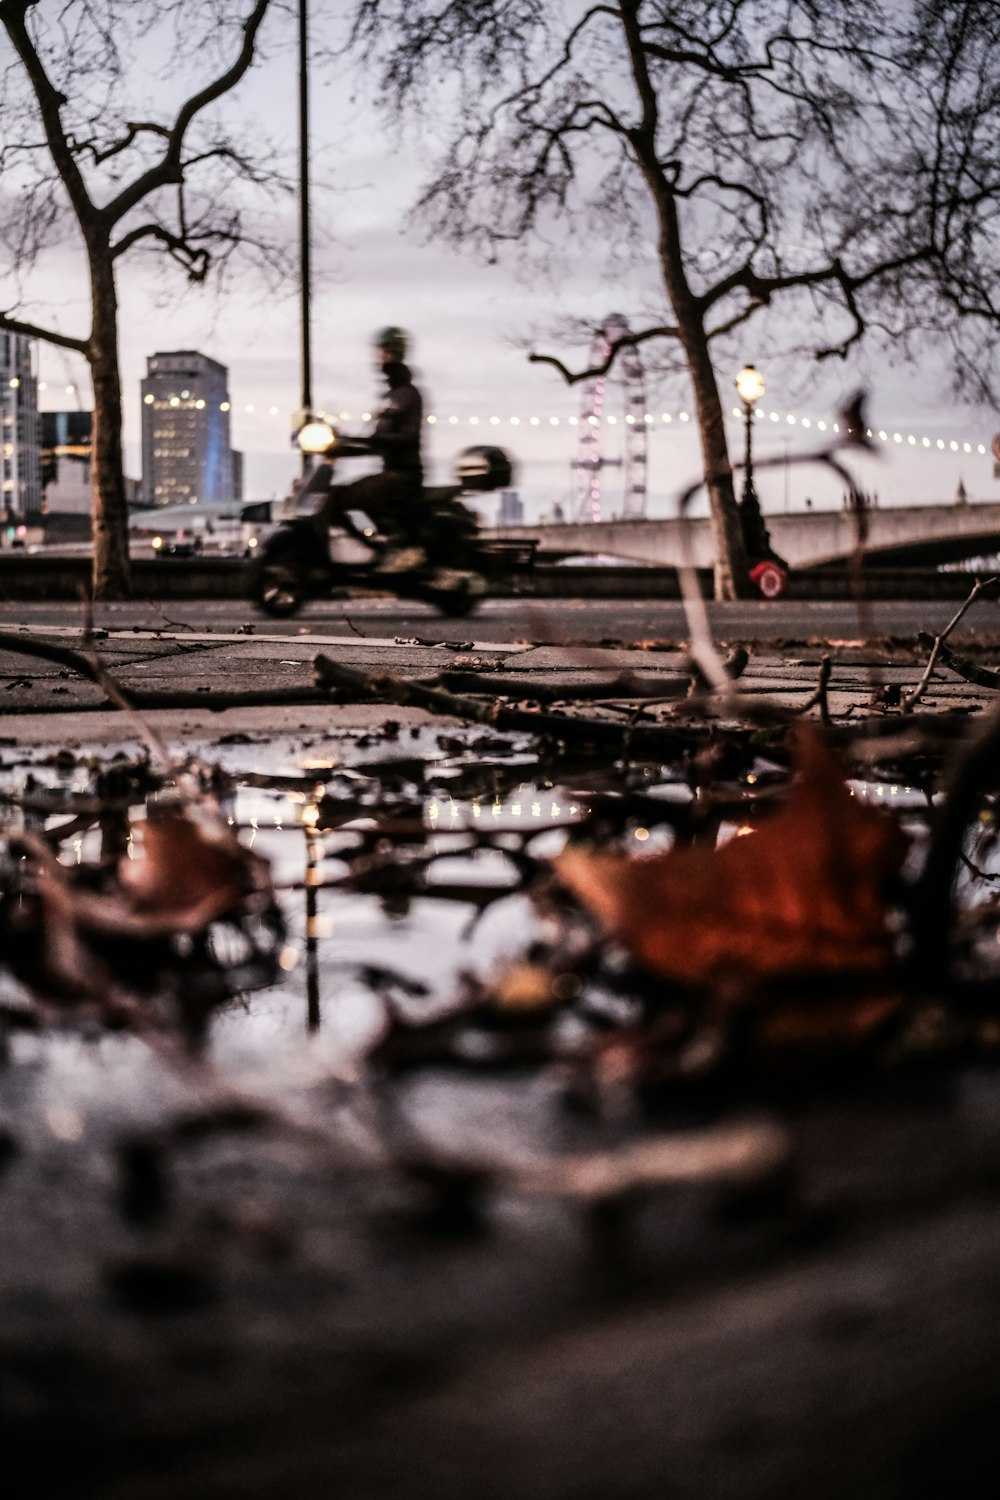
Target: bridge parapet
{"points": [[809, 539]]}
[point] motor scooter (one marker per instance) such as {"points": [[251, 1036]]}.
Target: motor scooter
{"points": [[437, 555]]}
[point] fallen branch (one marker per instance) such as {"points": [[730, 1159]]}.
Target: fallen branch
{"points": [[961, 665], [622, 685], [912, 699], [600, 733]]}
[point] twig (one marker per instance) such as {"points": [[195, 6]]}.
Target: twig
{"points": [[118, 695], [216, 702], [819, 697], [600, 733], [63, 656], [912, 699], [970, 670], [174, 624]]}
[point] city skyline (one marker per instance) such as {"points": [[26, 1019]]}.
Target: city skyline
{"points": [[545, 441], [471, 326]]}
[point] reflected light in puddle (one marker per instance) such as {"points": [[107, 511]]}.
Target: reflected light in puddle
{"points": [[522, 806]]}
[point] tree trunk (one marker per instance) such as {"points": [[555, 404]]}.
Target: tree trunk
{"points": [[731, 569], [111, 577], [731, 565]]}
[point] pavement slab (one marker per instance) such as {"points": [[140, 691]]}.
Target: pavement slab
{"points": [[232, 662]]}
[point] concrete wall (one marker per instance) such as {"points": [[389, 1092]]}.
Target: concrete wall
{"points": [[806, 540], [24, 576]]}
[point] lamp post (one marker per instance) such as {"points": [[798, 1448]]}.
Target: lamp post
{"points": [[750, 387], [768, 572], [305, 269]]}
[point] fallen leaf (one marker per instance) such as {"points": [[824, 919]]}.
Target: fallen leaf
{"points": [[184, 873], [804, 892]]}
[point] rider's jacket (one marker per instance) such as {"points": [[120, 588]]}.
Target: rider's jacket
{"points": [[399, 427]]}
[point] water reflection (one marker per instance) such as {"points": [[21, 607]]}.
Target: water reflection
{"points": [[452, 818]]}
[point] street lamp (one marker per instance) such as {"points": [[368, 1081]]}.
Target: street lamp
{"points": [[305, 268], [750, 388]]}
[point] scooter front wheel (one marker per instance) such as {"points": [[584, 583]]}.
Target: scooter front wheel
{"points": [[279, 580]]}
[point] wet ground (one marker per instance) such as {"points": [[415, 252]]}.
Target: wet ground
{"points": [[259, 1267]]}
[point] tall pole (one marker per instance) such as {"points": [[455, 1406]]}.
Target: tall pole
{"points": [[305, 270], [755, 533], [749, 493]]}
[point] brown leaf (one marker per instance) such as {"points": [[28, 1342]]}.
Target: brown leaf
{"points": [[803, 893], [183, 873]]}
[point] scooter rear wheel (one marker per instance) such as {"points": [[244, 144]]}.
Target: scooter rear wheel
{"points": [[279, 580]]}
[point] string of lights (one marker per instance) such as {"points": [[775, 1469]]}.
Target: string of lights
{"points": [[665, 419]]}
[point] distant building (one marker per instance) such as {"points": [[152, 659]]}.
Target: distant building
{"points": [[20, 439], [186, 454], [236, 491], [67, 438], [511, 512], [67, 463]]}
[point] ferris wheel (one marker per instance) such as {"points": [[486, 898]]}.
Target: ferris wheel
{"points": [[590, 461]]}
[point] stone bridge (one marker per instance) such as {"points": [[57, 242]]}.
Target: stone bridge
{"points": [[900, 535]]}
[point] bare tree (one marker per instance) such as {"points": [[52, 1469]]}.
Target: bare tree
{"points": [[74, 162], [837, 161]]}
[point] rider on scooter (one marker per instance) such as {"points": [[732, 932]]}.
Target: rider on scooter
{"points": [[391, 496]]}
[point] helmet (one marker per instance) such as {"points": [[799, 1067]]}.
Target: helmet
{"points": [[391, 343], [483, 469]]}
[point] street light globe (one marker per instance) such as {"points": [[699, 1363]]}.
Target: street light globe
{"points": [[750, 385], [315, 437]]}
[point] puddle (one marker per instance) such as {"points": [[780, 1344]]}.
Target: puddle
{"points": [[400, 860]]}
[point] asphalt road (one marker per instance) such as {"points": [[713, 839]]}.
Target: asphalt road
{"points": [[551, 620]]}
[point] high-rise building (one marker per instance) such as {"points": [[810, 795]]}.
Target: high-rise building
{"points": [[186, 454], [20, 444], [67, 453]]}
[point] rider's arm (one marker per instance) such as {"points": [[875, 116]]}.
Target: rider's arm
{"points": [[352, 447]]}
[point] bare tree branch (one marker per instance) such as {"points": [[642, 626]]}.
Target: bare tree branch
{"points": [[48, 335]]}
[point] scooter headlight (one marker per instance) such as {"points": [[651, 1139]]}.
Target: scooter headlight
{"points": [[316, 436]]}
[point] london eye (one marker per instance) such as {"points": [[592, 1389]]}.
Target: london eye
{"points": [[626, 379]]}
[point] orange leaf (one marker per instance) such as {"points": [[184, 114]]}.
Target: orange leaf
{"points": [[803, 893], [184, 875]]}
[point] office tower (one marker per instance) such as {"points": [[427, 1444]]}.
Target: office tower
{"points": [[20, 439], [67, 454], [186, 454], [237, 482]]}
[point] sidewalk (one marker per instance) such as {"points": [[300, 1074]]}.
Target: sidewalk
{"points": [[203, 677]]}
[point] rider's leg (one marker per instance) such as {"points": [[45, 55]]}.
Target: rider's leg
{"points": [[338, 503]]}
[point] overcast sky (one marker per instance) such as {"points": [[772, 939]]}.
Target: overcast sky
{"points": [[471, 326]]}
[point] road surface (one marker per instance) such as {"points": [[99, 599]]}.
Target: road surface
{"points": [[551, 620]]}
